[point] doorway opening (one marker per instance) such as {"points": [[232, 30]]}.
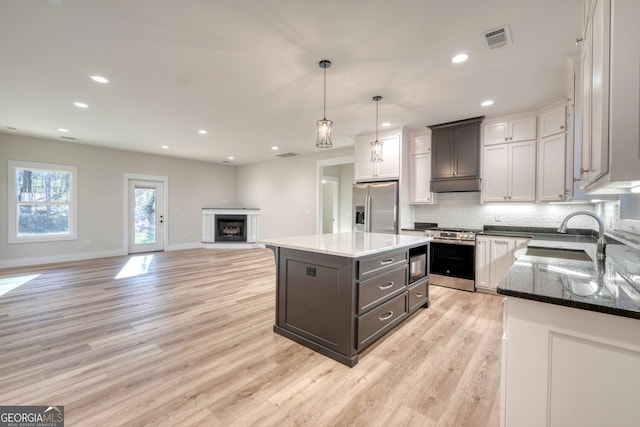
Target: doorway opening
{"points": [[334, 196]]}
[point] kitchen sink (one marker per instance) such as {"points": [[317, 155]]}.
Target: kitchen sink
{"points": [[568, 254]]}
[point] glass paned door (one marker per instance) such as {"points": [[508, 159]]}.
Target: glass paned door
{"points": [[146, 217]]}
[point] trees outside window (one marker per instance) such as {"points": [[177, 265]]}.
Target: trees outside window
{"points": [[43, 205]]}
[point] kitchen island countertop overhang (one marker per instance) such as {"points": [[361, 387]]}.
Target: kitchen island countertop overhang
{"points": [[349, 244]]}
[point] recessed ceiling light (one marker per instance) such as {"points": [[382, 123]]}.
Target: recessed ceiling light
{"points": [[80, 105], [274, 148], [461, 57], [486, 103], [63, 130], [202, 132], [166, 147], [386, 124], [98, 79], [230, 157]]}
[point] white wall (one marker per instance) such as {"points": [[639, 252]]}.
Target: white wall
{"points": [[192, 186], [286, 191], [346, 196]]}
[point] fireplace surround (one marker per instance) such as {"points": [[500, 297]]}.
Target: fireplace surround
{"points": [[229, 227]]}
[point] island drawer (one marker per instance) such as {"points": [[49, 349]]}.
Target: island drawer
{"points": [[378, 288], [369, 267], [418, 295], [378, 321]]}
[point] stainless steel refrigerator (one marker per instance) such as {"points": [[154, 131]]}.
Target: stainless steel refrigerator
{"points": [[375, 207]]}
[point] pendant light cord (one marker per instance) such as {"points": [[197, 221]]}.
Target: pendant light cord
{"points": [[324, 104]]}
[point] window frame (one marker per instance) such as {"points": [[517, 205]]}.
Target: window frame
{"points": [[12, 205]]}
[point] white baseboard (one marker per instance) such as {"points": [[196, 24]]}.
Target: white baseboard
{"points": [[240, 245], [23, 262], [183, 246]]}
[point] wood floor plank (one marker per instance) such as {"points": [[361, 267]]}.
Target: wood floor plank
{"points": [[191, 343]]}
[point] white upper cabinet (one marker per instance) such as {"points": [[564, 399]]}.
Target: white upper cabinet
{"points": [[514, 129], [389, 168], [420, 168], [551, 169], [553, 121], [509, 172], [610, 103]]}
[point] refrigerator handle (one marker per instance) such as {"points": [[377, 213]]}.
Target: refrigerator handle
{"points": [[367, 214]]}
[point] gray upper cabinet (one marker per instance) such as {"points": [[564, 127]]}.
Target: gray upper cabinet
{"points": [[455, 161]]}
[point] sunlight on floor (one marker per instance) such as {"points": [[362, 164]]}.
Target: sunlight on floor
{"points": [[136, 266], [11, 283]]}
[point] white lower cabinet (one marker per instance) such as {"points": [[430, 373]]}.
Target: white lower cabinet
{"points": [[564, 366], [494, 257]]}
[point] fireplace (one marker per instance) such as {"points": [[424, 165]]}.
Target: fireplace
{"points": [[231, 228]]}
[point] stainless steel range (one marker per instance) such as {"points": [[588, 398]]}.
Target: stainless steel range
{"points": [[452, 258]]}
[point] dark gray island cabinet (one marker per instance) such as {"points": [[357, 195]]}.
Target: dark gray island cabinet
{"points": [[339, 293]]}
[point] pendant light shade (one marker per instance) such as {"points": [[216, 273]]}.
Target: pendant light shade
{"points": [[324, 125], [376, 146]]}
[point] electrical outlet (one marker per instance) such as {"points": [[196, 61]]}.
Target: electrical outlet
{"points": [[498, 217], [87, 242], [186, 235]]}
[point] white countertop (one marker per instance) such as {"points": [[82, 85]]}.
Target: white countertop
{"points": [[351, 245]]}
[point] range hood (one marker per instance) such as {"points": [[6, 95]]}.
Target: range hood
{"points": [[455, 156]]}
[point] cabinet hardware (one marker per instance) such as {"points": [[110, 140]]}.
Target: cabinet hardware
{"points": [[386, 262], [386, 316], [419, 295], [506, 138], [561, 127], [560, 196], [386, 286]]}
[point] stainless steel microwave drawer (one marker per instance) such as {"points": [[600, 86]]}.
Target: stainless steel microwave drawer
{"points": [[378, 321], [375, 290], [369, 267]]}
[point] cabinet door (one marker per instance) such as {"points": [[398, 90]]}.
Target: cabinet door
{"points": [[600, 89], [523, 129], [389, 167], [421, 143], [522, 172], [502, 253], [443, 153], [495, 172], [363, 168], [483, 262], [551, 173], [553, 121], [421, 179], [496, 132], [467, 145]]}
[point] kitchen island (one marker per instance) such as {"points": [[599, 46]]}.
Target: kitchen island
{"points": [[339, 293], [571, 343]]}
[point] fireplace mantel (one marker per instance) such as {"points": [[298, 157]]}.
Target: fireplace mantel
{"points": [[209, 225]]}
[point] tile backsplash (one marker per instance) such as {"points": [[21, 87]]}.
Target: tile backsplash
{"points": [[465, 210]]}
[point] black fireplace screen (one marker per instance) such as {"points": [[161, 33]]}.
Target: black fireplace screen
{"points": [[231, 228]]}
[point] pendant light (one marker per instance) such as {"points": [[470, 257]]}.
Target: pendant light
{"points": [[324, 125], [376, 146]]}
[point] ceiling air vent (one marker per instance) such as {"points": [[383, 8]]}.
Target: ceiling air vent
{"points": [[498, 37], [285, 155], [70, 138]]}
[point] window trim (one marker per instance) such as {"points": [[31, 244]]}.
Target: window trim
{"points": [[12, 219]]}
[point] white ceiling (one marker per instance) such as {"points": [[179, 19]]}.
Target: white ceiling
{"points": [[247, 71]]}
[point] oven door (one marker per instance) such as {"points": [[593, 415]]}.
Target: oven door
{"points": [[452, 264]]}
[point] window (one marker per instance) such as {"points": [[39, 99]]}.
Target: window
{"points": [[42, 202]]}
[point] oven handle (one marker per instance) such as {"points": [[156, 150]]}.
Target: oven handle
{"points": [[455, 242]]}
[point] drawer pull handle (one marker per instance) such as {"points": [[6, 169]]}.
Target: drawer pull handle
{"points": [[386, 316], [386, 286], [419, 295], [386, 262]]}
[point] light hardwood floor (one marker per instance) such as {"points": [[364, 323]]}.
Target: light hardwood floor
{"points": [[190, 343]]}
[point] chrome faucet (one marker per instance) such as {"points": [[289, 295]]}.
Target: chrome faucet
{"points": [[602, 244]]}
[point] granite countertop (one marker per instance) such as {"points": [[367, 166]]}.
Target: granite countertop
{"points": [[545, 233], [351, 244], [611, 286]]}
